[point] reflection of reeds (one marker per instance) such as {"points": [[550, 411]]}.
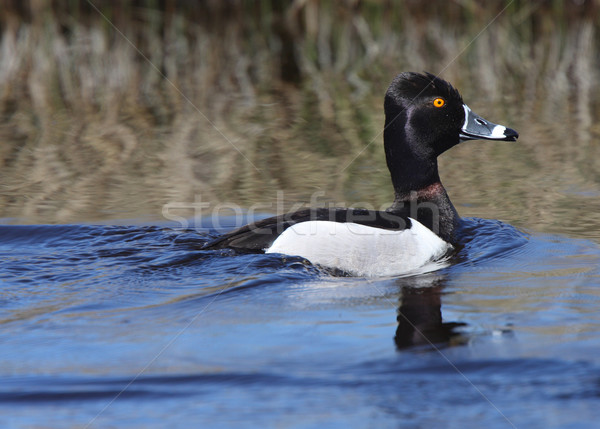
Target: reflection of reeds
{"points": [[89, 129]]}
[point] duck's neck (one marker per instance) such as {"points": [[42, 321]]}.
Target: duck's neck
{"points": [[412, 178], [417, 186]]}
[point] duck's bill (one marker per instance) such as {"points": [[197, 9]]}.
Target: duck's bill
{"points": [[475, 127]]}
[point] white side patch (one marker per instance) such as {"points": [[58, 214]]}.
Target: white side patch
{"points": [[363, 250]]}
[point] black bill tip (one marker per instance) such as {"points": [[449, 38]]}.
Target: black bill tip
{"points": [[510, 135]]}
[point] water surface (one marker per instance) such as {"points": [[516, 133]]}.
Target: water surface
{"points": [[135, 326]]}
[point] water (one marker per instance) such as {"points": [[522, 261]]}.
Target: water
{"points": [[135, 326]]}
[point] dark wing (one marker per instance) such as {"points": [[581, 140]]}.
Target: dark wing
{"points": [[258, 236]]}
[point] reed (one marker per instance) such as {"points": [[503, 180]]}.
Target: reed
{"points": [[112, 109]]}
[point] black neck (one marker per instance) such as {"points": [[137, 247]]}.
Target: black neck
{"points": [[417, 185], [412, 170]]}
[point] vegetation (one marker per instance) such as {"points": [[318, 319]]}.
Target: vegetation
{"points": [[110, 110]]}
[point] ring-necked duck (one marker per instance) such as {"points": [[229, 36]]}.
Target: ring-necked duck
{"points": [[424, 117]]}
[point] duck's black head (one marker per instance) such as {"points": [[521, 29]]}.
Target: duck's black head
{"points": [[424, 117], [427, 109]]}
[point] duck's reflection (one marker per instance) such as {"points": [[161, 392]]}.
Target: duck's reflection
{"points": [[420, 314]]}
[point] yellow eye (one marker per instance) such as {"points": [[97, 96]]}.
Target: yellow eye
{"points": [[439, 102]]}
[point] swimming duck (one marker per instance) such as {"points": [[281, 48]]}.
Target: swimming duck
{"points": [[424, 117]]}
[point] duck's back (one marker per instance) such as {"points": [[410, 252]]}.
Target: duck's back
{"points": [[259, 236]]}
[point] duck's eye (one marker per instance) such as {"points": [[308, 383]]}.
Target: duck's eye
{"points": [[439, 102]]}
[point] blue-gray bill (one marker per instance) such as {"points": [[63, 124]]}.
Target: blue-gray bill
{"points": [[475, 127]]}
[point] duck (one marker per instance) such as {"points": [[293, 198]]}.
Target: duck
{"points": [[424, 117]]}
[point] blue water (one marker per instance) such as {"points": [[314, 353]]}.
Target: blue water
{"points": [[136, 326]]}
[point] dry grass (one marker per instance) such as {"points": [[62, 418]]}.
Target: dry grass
{"points": [[236, 100]]}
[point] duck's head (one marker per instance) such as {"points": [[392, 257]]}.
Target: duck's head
{"points": [[425, 116]]}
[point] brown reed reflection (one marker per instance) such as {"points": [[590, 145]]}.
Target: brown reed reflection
{"points": [[90, 130]]}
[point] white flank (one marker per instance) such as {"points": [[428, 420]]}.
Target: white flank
{"points": [[363, 250]]}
